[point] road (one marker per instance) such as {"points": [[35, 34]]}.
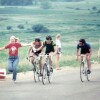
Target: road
{"points": [[65, 85]]}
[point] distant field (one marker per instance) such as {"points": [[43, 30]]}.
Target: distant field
{"points": [[73, 20]]}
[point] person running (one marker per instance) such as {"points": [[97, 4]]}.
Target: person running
{"points": [[13, 59], [33, 50], [58, 51], [85, 50], [49, 49]]}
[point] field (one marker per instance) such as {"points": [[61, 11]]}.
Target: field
{"points": [[73, 20]]}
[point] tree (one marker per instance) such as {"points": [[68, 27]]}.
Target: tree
{"points": [[39, 28], [45, 5], [16, 2]]}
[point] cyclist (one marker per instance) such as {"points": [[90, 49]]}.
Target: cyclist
{"points": [[85, 49], [50, 49], [13, 58], [35, 52]]}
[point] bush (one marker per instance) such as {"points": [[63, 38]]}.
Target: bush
{"points": [[94, 8], [45, 5], [39, 28], [9, 27], [77, 8], [21, 26], [98, 11]]}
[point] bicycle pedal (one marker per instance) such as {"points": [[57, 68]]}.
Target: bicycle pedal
{"points": [[48, 73], [37, 72], [40, 74], [34, 69]]}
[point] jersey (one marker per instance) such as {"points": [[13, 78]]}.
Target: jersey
{"points": [[58, 43], [85, 48], [13, 48], [37, 45], [49, 47]]}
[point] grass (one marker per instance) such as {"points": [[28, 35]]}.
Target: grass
{"points": [[62, 18]]}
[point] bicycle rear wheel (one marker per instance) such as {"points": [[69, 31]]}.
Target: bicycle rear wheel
{"points": [[82, 72], [44, 76]]}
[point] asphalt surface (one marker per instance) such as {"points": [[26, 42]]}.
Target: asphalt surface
{"points": [[65, 85]]}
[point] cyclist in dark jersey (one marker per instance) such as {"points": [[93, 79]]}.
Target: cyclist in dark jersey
{"points": [[85, 49], [50, 48]]}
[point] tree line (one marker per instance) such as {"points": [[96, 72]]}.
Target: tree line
{"points": [[16, 2], [28, 2]]}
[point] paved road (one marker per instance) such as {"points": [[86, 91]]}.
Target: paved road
{"points": [[65, 85]]}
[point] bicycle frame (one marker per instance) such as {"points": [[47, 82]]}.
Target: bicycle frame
{"points": [[83, 68], [46, 70], [36, 68]]}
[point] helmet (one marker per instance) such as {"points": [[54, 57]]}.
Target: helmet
{"points": [[82, 40], [48, 37], [37, 40]]}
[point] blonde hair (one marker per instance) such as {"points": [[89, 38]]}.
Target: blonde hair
{"points": [[17, 39], [57, 36], [13, 37]]}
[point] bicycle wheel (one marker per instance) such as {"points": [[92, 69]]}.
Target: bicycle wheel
{"points": [[36, 72], [82, 72], [44, 76], [88, 75], [49, 74]]}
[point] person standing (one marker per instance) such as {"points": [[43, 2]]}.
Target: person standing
{"points": [[58, 51], [13, 58]]}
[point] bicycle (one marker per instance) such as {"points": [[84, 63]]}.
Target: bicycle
{"points": [[83, 69], [36, 68], [46, 71]]}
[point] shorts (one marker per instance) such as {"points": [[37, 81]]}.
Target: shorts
{"points": [[37, 53], [84, 52], [59, 51]]}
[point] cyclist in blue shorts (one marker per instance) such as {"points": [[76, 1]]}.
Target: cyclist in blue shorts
{"points": [[85, 49]]}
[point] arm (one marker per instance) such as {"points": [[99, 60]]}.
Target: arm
{"points": [[25, 44], [90, 52], [56, 49], [2, 48], [28, 53], [77, 53], [41, 47]]}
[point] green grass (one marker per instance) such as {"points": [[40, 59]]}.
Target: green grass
{"points": [[62, 18]]}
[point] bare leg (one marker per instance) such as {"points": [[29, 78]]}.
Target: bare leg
{"points": [[40, 63], [57, 61], [88, 62], [50, 61], [32, 59]]}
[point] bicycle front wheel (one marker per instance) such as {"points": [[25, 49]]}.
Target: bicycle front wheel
{"points": [[49, 73], [88, 75], [82, 72], [44, 76], [36, 73]]}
